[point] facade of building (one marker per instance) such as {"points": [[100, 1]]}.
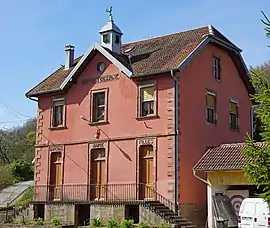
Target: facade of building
{"points": [[129, 121]]}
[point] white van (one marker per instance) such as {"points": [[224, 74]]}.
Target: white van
{"points": [[254, 213]]}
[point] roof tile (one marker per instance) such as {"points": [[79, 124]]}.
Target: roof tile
{"points": [[223, 157]]}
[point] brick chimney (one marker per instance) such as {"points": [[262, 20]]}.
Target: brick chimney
{"points": [[69, 49]]}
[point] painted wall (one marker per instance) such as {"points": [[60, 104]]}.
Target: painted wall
{"points": [[195, 134], [121, 130]]}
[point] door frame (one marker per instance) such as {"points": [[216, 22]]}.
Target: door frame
{"points": [[97, 145], [55, 149], [147, 141]]}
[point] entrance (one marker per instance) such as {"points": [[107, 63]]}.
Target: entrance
{"points": [[82, 214], [98, 174], [146, 177], [55, 176]]}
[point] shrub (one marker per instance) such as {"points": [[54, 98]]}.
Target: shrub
{"points": [[96, 222], [22, 170], [112, 223], [39, 221], [6, 177], [127, 223], [26, 197], [56, 221], [144, 224], [24, 221]]}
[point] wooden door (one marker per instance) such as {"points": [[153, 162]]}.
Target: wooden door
{"points": [[56, 176], [98, 174], [146, 174]]}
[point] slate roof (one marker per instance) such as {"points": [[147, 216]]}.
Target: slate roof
{"points": [[222, 158], [146, 56]]}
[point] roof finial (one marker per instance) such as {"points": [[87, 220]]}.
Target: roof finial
{"points": [[110, 14]]}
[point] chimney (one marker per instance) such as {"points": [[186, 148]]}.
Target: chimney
{"points": [[69, 49]]}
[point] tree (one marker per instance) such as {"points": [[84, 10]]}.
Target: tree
{"points": [[257, 155]]}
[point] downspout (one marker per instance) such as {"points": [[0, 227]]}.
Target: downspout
{"points": [[201, 179], [176, 139]]}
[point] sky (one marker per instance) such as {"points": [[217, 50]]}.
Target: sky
{"points": [[33, 35]]}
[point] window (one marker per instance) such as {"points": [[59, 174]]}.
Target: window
{"points": [[216, 68], [234, 115], [147, 100], [106, 38], [58, 112], [211, 107], [117, 39], [99, 106]]}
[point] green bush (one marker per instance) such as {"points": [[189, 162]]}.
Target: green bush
{"points": [[39, 221], [112, 223], [163, 225], [26, 197], [56, 221], [96, 222], [6, 176], [144, 224], [126, 223], [22, 170], [24, 221]]}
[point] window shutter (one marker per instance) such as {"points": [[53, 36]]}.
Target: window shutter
{"points": [[147, 93], [233, 108], [210, 101]]}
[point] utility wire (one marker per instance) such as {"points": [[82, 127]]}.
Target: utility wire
{"points": [[16, 113]]}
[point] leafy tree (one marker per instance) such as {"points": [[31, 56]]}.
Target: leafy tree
{"points": [[22, 170], [257, 155]]}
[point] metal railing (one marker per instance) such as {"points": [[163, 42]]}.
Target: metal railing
{"points": [[97, 193]]}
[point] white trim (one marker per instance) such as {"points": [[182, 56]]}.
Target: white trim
{"points": [[104, 53]]}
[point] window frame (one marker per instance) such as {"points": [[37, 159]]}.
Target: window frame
{"points": [[53, 101], [237, 114], [139, 99], [211, 93], [92, 93], [217, 65]]}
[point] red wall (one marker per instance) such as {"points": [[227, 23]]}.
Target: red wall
{"points": [[122, 113], [195, 134]]}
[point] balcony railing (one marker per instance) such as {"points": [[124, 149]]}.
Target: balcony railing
{"points": [[98, 193]]}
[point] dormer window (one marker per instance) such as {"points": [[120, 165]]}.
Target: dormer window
{"points": [[106, 38], [117, 39]]}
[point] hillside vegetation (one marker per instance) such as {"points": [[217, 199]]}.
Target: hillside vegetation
{"points": [[17, 149]]}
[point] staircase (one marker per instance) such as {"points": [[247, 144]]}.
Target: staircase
{"points": [[168, 214]]}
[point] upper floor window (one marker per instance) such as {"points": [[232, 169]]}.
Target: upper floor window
{"points": [[99, 105], [58, 112], [216, 68], [234, 119], [147, 100], [211, 107]]}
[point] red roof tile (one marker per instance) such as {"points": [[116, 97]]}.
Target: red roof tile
{"points": [[223, 157], [147, 56]]}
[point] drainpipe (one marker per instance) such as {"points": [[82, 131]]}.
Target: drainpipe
{"points": [[201, 179], [176, 138]]}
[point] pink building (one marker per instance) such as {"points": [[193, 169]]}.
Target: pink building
{"points": [[127, 122]]}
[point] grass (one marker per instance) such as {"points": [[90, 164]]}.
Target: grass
{"points": [[26, 197]]}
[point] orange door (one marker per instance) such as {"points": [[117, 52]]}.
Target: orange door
{"points": [[146, 176], [56, 176], [98, 174]]}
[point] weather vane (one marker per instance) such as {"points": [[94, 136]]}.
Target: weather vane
{"points": [[109, 10]]}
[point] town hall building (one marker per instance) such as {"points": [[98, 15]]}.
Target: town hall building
{"points": [[125, 123]]}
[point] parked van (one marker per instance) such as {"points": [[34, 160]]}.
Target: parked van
{"points": [[254, 213]]}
